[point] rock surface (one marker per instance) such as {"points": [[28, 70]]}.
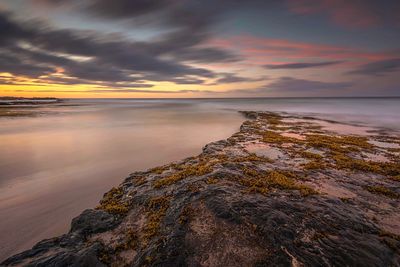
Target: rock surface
{"points": [[281, 192]]}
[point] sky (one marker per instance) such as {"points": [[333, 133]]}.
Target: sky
{"points": [[199, 48]]}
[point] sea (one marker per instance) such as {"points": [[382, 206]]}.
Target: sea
{"points": [[58, 159]]}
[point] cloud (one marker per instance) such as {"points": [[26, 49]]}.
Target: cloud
{"points": [[194, 14], [205, 55], [288, 86], [259, 50], [113, 91], [180, 45], [378, 68], [10, 31], [233, 78], [188, 24], [294, 84], [10, 63], [32, 50], [354, 14], [145, 91], [302, 65]]}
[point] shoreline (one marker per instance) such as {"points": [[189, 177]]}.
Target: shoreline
{"points": [[275, 186], [22, 107], [16, 101]]}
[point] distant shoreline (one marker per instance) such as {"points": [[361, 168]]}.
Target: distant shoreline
{"points": [[231, 98], [12, 101]]}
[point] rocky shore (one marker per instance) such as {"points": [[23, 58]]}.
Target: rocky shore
{"points": [[22, 107], [283, 191]]}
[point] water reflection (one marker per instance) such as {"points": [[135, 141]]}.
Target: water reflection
{"points": [[56, 161], [55, 165]]}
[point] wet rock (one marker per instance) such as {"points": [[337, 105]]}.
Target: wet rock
{"points": [[91, 222], [86, 257]]}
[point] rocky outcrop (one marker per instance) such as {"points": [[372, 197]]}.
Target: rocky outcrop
{"points": [[281, 192]]}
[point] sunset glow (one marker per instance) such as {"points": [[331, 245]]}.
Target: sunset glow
{"points": [[128, 49]]}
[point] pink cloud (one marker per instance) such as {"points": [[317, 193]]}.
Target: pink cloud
{"points": [[354, 13], [259, 50]]}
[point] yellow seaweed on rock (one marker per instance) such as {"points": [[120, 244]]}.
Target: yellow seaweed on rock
{"points": [[381, 190], [112, 202], [264, 182], [156, 210], [191, 170]]}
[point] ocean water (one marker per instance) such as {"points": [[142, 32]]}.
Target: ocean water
{"points": [[57, 160]]}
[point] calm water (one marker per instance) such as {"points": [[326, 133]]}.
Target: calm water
{"points": [[61, 159]]}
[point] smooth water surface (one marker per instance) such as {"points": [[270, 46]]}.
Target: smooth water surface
{"points": [[58, 160]]}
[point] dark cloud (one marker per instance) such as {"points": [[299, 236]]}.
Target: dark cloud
{"points": [[233, 78], [72, 81], [10, 31], [199, 15], [354, 14], [378, 68], [181, 46], [205, 55], [130, 91], [127, 8], [11, 63], [33, 49], [302, 65], [297, 87], [188, 23], [145, 91], [113, 91], [18, 83]]}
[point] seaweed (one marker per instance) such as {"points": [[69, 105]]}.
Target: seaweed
{"points": [[310, 155], [395, 178], [131, 241], [390, 169], [191, 170], [156, 209], [193, 187], [314, 165], [186, 214], [139, 180], [276, 138], [381, 190], [271, 118], [345, 199], [251, 157], [345, 162], [264, 182], [342, 144], [390, 239], [211, 180], [112, 202], [160, 169]]}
